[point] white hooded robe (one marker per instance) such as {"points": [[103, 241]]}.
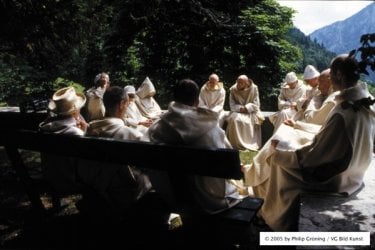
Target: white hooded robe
{"points": [[334, 161], [187, 125]]}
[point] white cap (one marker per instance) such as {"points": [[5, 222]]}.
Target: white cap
{"points": [[310, 73], [291, 77], [129, 89]]}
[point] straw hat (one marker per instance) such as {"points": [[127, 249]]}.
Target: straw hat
{"points": [[65, 101], [310, 73]]}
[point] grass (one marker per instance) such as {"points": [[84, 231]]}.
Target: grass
{"points": [[247, 156]]}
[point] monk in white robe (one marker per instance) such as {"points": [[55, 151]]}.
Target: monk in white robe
{"points": [[291, 91], [311, 77], [243, 130], [113, 127], [334, 161], [185, 124], [122, 185], [212, 96], [309, 95], [319, 108], [146, 102], [133, 117], [95, 107], [321, 105]]}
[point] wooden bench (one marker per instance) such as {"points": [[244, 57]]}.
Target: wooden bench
{"points": [[19, 120], [223, 163]]}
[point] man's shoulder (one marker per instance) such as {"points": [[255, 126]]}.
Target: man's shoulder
{"points": [[302, 86]]}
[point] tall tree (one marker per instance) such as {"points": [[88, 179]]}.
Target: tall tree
{"points": [[42, 40], [313, 53], [175, 39], [166, 40]]}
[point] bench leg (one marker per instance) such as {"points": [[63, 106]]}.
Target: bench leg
{"points": [[25, 178]]}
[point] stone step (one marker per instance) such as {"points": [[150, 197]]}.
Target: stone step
{"points": [[328, 213]]}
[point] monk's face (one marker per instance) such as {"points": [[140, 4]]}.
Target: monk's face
{"points": [[104, 81], [313, 82], [324, 84], [213, 81], [242, 83], [292, 85]]}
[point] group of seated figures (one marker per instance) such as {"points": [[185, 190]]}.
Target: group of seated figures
{"points": [[323, 138], [242, 123]]}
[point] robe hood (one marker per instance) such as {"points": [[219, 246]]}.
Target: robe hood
{"points": [[190, 122], [105, 126], [58, 125], [352, 97], [146, 89], [234, 88], [244, 93], [354, 93], [285, 85], [217, 86], [99, 92]]}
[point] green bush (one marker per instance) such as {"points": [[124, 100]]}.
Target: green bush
{"points": [[371, 89], [61, 83]]}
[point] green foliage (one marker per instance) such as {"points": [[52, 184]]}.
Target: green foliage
{"points": [[18, 80], [177, 39], [366, 52], [61, 83], [313, 53], [246, 156], [267, 24], [42, 40], [371, 89], [165, 40]]}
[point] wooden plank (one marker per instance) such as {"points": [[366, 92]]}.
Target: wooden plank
{"points": [[19, 131], [243, 212], [224, 163], [17, 120]]}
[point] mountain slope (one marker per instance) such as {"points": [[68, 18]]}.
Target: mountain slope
{"points": [[313, 53], [344, 36]]}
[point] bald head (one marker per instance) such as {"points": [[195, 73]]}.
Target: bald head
{"points": [[243, 82], [213, 77], [213, 80], [325, 84]]}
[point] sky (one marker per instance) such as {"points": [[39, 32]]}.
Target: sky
{"points": [[312, 15]]}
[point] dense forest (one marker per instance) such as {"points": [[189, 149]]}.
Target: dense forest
{"points": [[312, 52], [48, 44]]}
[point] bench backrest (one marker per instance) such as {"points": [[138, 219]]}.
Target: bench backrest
{"points": [[19, 131], [18, 120], [223, 163]]}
